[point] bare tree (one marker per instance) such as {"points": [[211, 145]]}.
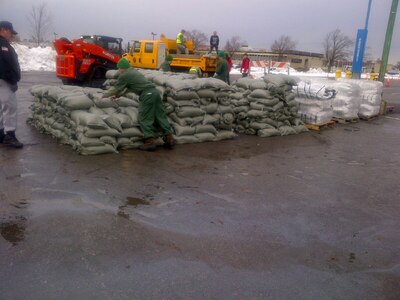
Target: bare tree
{"points": [[233, 44], [336, 47], [40, 20], [197, 37], [282, 45]]}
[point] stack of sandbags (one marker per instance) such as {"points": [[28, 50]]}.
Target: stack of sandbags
{"points": [[272, 109], [370, 96], [314, 100], [198, 109], [64, 112]]}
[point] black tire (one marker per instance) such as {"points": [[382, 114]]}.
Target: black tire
{"points": [[97, 78], [71, 82]]}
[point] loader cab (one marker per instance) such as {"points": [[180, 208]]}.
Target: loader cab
{"points": [[108, 43], [147, 54]]}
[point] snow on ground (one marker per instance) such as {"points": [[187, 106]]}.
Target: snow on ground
{"points": [[36, 59], [43, 59]]}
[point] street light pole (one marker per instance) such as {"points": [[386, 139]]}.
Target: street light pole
{"points": [[388, 40]]}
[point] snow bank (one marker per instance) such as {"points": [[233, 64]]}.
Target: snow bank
{"points": [[36, 59]]}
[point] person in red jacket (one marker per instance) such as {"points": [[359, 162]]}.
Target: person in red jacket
{"points": [[245, 67]]}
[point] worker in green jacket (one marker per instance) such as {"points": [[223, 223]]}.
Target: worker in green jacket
{"points": [[222, 70], [166, 65], [151, 108]]}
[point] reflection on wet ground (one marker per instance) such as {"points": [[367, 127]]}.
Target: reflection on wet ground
{"points": [[13, 231], [132, 201]]}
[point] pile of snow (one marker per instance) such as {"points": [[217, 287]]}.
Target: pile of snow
{"points": [[36, 59]]}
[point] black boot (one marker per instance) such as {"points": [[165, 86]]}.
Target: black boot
{"points": [[11, 140], [1, 135]]}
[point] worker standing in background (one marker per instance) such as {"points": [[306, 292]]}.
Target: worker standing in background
{"points": [[180, 42], [245, 67], [214, 42], [166, 65], [10, 74], [151, 108], [229, 61], [221, 71]]}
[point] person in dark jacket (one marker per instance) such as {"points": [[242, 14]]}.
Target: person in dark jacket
{"points": [[10, 74], [151, 108], [166, 65], [214, 42], [222, 70]]}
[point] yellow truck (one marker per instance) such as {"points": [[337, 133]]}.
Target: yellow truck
{"points": [[150, 54]]}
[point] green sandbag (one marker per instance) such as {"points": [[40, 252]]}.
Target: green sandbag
{"points": [[126, 102], [286, 130], [186, 139], [133, 113], [96, 133], [225, 135], [88, 142], [257, 84], [258, 126], [183, 130], [184, 95], [109, 140], [210, 108], [205, 128], [112, 122], [187, 111], [75, 102], [205, 137], [95, 150], [268, 132], [124, 120], [209, 119], [177, 120], [131, 132], [207, 93], [258, 93], [90, 120]]}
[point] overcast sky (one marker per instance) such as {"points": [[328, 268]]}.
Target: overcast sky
{"points": [[258, 22]]}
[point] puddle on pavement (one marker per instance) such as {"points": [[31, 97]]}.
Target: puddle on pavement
{"points": [[131, 201], [13, 232], [136, 201]]}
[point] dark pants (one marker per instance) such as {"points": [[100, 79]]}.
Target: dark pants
{"points": [[213, 47], [152, 113]]}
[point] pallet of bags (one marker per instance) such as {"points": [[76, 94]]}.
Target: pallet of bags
{"points": [[271, 109], [370, 96], [314, 101]]}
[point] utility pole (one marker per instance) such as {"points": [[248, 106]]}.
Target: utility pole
{"points": [[388, 40], [153, 34], [359, 49]]}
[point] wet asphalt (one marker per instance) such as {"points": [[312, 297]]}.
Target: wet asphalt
{"points": [[311, 216]]}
